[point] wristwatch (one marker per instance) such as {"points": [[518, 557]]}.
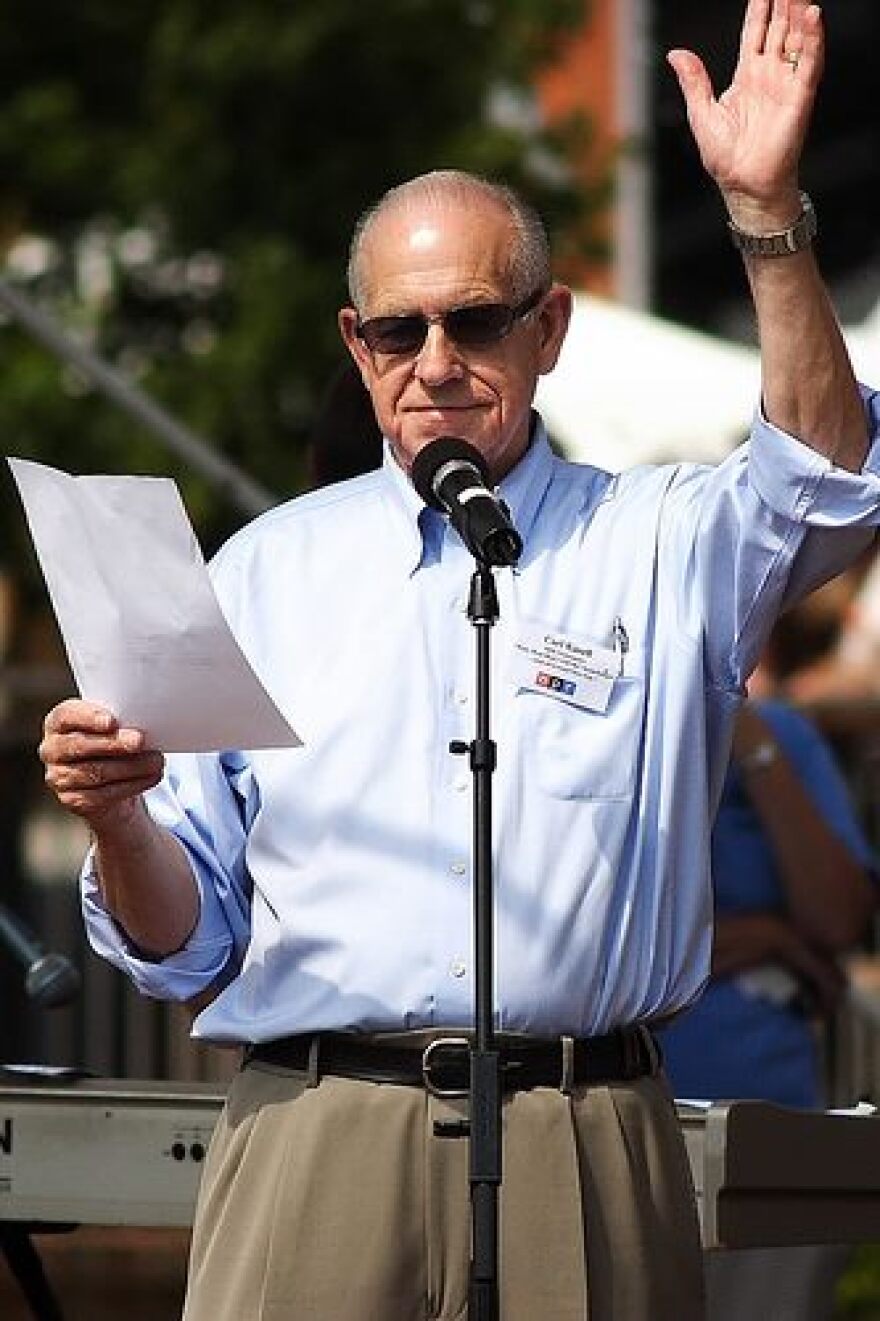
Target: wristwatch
{"points": [[783, 242], [764, 754]]}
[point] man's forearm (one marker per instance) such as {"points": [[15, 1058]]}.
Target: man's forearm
{"points": [[146, 881], [808, 385]]}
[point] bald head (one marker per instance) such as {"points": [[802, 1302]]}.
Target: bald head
{"points": [[529, 258]]}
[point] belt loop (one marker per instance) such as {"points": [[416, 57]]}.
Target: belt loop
{"points": [[630, 1040], [566, 1082], [651, 1048], [314, 1064]]}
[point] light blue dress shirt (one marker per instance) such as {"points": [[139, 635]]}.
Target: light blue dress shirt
{"points": [[335, 878]]}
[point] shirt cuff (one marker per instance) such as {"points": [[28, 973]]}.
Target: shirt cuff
{"points": [[804, 486], [179, 976]]}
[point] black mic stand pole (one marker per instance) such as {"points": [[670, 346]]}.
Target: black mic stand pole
{"points": [[485, 1064]]}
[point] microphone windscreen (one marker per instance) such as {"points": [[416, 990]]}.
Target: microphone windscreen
{"points": [[52, 981], [432, 458]]}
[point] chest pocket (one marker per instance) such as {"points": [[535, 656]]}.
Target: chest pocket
{"points": [[578, 753]]}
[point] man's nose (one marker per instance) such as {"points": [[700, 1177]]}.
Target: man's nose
{"points": [[438, 359]]}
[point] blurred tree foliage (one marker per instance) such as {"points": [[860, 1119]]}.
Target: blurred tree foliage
{"points": [[179, 179]]}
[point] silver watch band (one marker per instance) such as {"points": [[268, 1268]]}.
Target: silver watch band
{"points": [[783, 242]]}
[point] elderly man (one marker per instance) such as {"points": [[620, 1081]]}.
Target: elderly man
{"points": [[317, 901]]}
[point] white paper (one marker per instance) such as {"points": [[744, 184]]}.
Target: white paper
{"points": [[142, 626]]}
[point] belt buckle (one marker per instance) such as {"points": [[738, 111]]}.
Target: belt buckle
{"points": [[428, 1062]]}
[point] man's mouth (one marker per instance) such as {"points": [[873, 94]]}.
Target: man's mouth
{"points": [[441, 410]]}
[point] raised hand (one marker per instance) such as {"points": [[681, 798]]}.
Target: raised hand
{"points": [[750, 137]]}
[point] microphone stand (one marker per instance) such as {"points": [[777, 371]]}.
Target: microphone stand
{"points": [[51, 980], [484, 1129]]}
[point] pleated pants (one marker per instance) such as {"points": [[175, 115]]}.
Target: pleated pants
{"points": [[339, 1202]]}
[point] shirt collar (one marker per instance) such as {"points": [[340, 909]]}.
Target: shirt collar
{"points": [[523, 490], [407, 509], [524, 487]]}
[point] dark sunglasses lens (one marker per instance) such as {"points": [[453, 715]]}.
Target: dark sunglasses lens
{"points": [[481, 324], [394, 334]]}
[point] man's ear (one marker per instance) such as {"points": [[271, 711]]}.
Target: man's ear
{"points": [[553, 320], [347, 321]]}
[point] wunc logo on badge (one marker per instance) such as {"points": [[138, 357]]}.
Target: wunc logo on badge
{"points": [[555, 684]]}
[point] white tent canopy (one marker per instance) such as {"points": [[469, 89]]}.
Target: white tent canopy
{"points": [[631, 388]]}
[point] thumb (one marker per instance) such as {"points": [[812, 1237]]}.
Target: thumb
{"points": [[692, 79]]}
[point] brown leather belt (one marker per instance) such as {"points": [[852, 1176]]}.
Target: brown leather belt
{"points": [[443, 1066]]}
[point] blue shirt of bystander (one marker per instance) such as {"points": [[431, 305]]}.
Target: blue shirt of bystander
{"points": [[752, 1035]]}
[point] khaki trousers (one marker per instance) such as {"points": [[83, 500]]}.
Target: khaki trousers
{"points": [[338, 1202]]}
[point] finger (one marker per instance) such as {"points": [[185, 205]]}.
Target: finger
{"points": [[797, 38], [754, 29], [98, 774], [778, 29], [802, 20], [83, 745], [807, 39], [74, 713], [696, 87], [93, 803]]}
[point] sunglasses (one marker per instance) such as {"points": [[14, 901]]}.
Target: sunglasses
{"points": [[469, 327]]}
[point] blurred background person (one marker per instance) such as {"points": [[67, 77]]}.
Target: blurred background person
{"points": [[794, 885], [345, 440], [849, 669], [793, 888]]}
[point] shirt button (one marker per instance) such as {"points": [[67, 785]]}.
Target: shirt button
{"points": [[461, 782], [457, 968], [458, 868], [461, 699]]}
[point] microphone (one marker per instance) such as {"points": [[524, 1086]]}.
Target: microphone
{"points": [[451, 475], [50, 979]]}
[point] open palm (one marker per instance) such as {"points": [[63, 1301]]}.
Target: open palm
{"points": [[750, 137]]}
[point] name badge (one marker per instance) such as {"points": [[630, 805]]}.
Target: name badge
{"points": [[560, 665]]}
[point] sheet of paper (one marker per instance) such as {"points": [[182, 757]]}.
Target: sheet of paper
{"points": [[142, 626]]}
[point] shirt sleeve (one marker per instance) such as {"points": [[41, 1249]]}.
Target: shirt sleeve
{"points": [[206, 802], [837, 510], [804, 486], [742, 541]]}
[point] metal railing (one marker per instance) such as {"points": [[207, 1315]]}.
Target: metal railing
{"points": [[241, 490]]}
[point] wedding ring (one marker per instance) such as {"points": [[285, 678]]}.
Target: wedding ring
{"points": [[792, 57]]}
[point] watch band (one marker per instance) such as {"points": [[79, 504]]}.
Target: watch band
{"points": [[783, 242], [764, 754]]}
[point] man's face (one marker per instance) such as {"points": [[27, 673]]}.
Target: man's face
{"points": [[429, 257]]}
